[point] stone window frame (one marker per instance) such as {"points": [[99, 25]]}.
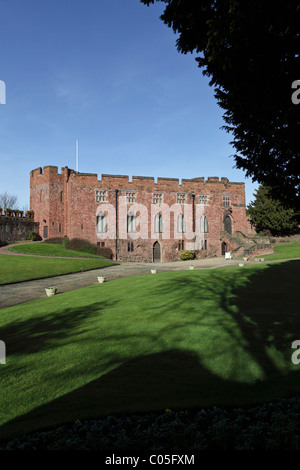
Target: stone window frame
{"points": [[226, 200], [181, 198], [101, 195], [158, 223], [130, 197], [157, 198], [203, 197], [203, 224], [181, 228], [181, 245], [204, 245], [131, 223], [130, 247], [101, 223]]}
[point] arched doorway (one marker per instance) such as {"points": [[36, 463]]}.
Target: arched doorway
{"points": [[228, 224], [156, 253], [224, 248]]}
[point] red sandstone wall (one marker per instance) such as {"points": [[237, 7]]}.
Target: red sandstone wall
{"points": [[46, 187], [69, 203]]}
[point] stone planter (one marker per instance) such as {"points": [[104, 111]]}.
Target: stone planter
{"points": [[241, 264], [153, 271], [101, 279], [245, 258], [192, 267], [51, 291]]}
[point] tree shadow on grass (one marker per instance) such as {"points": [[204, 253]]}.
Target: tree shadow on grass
{"points": [[173, 379], [37, 333], [256, 310], [268, 314]]}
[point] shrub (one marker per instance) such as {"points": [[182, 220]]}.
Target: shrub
{"points": [[105, 252], [33, 236], [268, 426], [55, 240], [200, 254], [84, 246], [65, 243], [186, 255]]}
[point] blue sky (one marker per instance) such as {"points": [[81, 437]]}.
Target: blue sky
{"points": [[108, 74]]}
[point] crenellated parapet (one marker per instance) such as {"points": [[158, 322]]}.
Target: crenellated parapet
{"points": [[16, 213], [40, 175]]}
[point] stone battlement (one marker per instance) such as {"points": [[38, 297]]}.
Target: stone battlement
{"points": [[50, 172], [16, 213]]}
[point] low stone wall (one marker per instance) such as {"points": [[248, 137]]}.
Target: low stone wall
{"points": [[14, 227], [266, 249]]}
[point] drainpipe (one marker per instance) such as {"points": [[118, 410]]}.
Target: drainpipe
{"points": [[194, 227], [116, 246]]}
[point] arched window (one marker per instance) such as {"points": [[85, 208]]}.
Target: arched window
{"points": [[203, 224], [101, 223], [228, 225], [158, 226], [131, 223], [180, 224]]}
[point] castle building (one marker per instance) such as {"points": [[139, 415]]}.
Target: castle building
{"points": [[141, 219]]}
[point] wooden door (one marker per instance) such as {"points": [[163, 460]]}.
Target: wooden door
{"points": [[156, 253], [224, 248], [45, 231]]}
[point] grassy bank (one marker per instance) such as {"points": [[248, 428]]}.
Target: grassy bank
{"points": [[172, 340], [50, 249], [23, 268]]}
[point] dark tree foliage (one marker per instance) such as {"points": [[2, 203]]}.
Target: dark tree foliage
{"points": [[250, 51], [270, 214]]}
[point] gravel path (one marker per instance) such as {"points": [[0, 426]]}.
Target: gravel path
{"points": [[21, 292]]}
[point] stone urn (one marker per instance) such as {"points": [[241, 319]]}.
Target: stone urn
{"points": [[192, 267], [51, 291], [153, 271], [101, 279]]}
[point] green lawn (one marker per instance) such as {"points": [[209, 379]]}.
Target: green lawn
{"points": [[50, 249], [285, 251], [171, 340], [23, 268]]}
